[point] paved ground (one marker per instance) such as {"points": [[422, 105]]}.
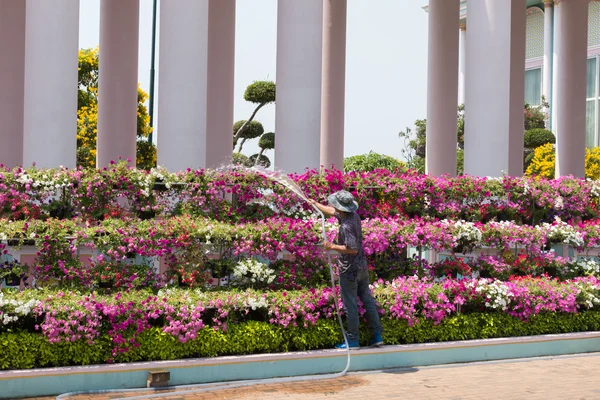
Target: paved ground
{"points": [[567, 377]]}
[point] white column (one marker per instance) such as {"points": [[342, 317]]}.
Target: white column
{"points": [[571, 88], [221, 68], [50, 99], [182, 84], [442, 86], [118, 81], [494, 88], [12, 75], [334, 84], [547, 67], [298, 106], [462, 60]]}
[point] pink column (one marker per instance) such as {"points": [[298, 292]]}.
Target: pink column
{"points": [[495, 83], [333, 84], [571, 88], [12, 75], [442, 86], [221, 66], [299, 70], [118, 81], [182, 84], [50, 90]]}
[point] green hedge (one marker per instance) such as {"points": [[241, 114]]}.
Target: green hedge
{"points": [[24, 350]]}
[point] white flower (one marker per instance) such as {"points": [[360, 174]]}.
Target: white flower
{"points": [[254, 271]]}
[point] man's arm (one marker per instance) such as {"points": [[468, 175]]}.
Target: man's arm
{"points": [[339, 248], [328, 210]]}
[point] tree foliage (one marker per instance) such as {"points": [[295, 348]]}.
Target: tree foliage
{"points": [[252, 130], [87, 116], [536, 116], [372, 161], [258, 92], [544, 161], [267, 141]]}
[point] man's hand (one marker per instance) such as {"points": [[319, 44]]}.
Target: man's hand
{"points": [[328, 210], [328, 246]]}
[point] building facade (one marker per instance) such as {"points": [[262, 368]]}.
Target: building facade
{"points": [[544, 49]]}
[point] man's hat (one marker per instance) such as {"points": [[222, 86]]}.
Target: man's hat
{"points": [[343, 201]]}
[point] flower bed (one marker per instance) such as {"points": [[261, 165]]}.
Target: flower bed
{"points": [[56, 326], [197, 250], [236, 195]]}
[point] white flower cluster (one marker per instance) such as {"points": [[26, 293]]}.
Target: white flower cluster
{"points": [[464, 231], [587, 293], [254, 271], [525, 185], [595, 190], [10, 310], [506, 225], [256, 303], [44, 183], [583, 267], [563, 232], [496, 294]]}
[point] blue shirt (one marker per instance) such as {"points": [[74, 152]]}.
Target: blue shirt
{"points": [[350, 235]]}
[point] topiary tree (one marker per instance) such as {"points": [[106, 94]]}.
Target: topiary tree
{"points": [[253, 130], [538, 137], [240, 159], [266, 142], [260, 159], [258, 92], [372, 161]]}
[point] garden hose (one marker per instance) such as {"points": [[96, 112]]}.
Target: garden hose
{"points": [[206, 387]]}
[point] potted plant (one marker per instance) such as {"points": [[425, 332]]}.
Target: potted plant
{"points": [[12, 273]]}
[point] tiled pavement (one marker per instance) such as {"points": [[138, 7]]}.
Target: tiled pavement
{"points": [[567, 377]]}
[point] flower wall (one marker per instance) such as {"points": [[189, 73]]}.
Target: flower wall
{"points": [[235, 247]]}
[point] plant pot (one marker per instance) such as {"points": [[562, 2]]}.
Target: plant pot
{"points": [[484, 273], [145, 215], [12, 280], [180, 282], [160, 187], [61, 212], [106, 285], [17, 242]]}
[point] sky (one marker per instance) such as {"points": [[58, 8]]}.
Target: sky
{"points": [[386, 65]]}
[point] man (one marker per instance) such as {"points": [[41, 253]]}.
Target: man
{"points": [[354, 276]]}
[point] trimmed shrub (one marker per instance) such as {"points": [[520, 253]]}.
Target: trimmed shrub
{"points": [[538, 137], [24, 350]]}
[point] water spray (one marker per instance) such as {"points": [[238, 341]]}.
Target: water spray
{"points": [[285, 181]]}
